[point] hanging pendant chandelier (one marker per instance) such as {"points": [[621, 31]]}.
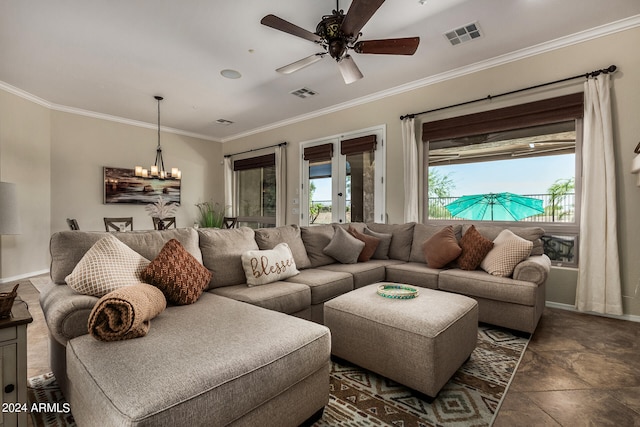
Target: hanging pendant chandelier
{"points": [[158, 170]]}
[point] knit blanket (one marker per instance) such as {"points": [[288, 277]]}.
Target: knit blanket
{"points": [[126, 312]]}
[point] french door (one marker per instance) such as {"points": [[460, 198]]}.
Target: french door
{"points": [[342, 178]]}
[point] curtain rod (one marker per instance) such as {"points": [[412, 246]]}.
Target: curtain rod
{"points": [[610, 69], [257, 149]]}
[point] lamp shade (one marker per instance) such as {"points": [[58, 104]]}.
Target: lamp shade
{"points": [[9, 218]]}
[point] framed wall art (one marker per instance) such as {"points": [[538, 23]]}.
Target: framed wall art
{"points": [[123, 186]]}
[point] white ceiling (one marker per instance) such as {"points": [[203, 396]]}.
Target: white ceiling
{"points": [[110, 57]]}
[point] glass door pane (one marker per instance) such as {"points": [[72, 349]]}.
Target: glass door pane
{"points": [[360, 178], [320, 192]]}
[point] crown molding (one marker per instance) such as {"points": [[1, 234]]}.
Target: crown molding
{"points": [[583, 36]]}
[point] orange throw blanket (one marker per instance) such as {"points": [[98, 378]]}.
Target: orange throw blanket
{"points": [[126, 312]]}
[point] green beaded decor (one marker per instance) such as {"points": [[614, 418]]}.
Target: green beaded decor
{"points": [[397, 291]]}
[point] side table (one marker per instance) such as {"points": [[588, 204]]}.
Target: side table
{"points": [[13, 364]]}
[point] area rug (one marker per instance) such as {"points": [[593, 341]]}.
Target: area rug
{"points": [[360, 398], [472, 396]]}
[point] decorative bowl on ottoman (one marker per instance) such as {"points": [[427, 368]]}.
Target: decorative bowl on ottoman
{"points": [[419, 342]]}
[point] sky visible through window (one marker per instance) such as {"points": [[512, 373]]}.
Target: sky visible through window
{"points": [[531, 175]]}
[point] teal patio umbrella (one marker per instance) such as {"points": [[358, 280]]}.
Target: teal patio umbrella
{"points": [[495, 207]]}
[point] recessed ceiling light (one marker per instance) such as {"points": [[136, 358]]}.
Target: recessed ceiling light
{"points": [[230, 74]]}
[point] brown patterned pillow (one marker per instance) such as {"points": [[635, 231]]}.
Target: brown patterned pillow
{"points": [[474, 249], [441, 248], [179, 276], [370, 244]]}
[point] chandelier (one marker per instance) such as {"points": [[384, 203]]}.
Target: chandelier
{"points": [[158, 170]]}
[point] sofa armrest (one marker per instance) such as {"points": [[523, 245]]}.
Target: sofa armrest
{"points": [[66, 312], [534, 269]]}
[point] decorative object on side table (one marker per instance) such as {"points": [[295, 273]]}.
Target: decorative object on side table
{"points": [[162, 210], [6, 302], [392, 291]]}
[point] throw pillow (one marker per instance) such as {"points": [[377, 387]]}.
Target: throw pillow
{"points": [[474, 249], [180, 276], [262, 267], [344, 247], [508, 251], [108, 265], [370, 244], [441, 248], [382, 251], [268, 238]]}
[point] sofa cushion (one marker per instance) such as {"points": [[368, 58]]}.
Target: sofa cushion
{"points": [[324, 284], [441, 248], [507, 252], [474, 248], [401, 241], [413, 273], [344, 247], [316, 238], [532, 234], [108, 265], [478, 283], [179, 276], [268, 238], [221, 252], [364, 273], [382, 251], [370, 244], [285, 297], [68, 247], [271, 265]]}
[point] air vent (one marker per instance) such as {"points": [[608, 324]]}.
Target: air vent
{"points": [[224, 122], [304, 92], [463, 34]]}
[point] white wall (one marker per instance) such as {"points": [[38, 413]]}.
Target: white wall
{"points": [[25, 151], [619, 49]]}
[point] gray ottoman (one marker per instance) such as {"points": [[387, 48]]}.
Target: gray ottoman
{"points": [[419, 342]]}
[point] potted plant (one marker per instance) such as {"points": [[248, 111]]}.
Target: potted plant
{"points": [[161, 210], [211, 214]]}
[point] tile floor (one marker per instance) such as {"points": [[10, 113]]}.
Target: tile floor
{"points": [[579, 370]]}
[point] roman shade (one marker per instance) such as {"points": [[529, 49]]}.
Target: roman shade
{"points": [[319, 153], [359, 145], [552, 110], [255, 162]]}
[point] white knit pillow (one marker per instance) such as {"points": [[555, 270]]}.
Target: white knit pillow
{"points": [[262, 267], [507, 252], [108, 265]]}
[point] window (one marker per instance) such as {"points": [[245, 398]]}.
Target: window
{"points": [[342, 178], [255, 179], [531, 151]]}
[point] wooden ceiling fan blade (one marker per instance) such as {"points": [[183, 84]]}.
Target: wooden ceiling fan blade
{"points": [[349, 70], [358, 15], [287, 27], [300, 64], [403, 46]]}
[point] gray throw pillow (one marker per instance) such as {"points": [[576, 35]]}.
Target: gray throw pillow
{"points": [[382, 251], [344, 247]]}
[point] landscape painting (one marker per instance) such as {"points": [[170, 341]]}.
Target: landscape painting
{"points": [[123, 186]]}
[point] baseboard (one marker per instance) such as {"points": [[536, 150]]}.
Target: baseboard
{"points": [[23, 276], [629, 317]]}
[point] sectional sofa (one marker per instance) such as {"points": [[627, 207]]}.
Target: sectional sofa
{"points": [[244, 353]]}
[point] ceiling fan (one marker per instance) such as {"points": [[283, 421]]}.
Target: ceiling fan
{"points": [[338, 33]]}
